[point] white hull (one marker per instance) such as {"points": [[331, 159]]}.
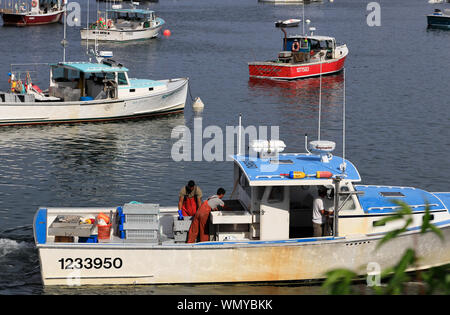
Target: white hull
{"points": [[119, 35], [117, 262], [168, 100]]}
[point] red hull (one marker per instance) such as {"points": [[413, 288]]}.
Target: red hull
{"points": [[280, 71], [17, 19]]}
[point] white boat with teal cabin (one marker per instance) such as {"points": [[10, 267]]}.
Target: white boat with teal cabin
{"points": [[118, 24], [267, 236], [89, 91]]}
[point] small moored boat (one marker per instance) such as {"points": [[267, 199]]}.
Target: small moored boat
{"points": [[88, 91], [439, 19], [40, 12], [120, 24], [287, 23], [302, 56]]}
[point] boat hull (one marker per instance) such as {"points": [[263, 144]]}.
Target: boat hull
{"points": [[280, 71], [438, 21], [169, 101], [229, 262], [13, 19], [119, 35]]}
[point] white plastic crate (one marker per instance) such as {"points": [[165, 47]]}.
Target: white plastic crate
{"points": [[150, 235]]}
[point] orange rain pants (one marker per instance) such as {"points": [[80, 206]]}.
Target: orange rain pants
{"points": [[199, 226]]}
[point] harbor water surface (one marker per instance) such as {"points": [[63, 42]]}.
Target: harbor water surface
{"points": [[397, 116]]}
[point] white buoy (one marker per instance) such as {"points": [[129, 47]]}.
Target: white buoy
{"points": [[198, 104]]}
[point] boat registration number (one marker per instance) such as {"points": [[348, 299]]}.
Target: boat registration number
{"points": [[89, 263], [303, 69]]}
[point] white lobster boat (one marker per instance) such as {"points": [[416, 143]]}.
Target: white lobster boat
{"points": [[267, 236], [86, 91], [120, 25]]}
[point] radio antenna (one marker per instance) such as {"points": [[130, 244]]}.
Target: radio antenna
{"points": [[343, 165], [320, 95]]}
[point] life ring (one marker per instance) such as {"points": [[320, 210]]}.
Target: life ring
{"points": [[109, 23], [34, 3], [295, 46]]}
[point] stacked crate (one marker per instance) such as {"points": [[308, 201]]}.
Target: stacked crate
{"points": [[139, 222], [181, 228]]}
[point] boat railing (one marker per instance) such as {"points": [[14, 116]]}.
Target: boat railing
{"points": [[26, 67]]}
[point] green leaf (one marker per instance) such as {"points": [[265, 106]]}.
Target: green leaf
{"points": [[426, 225], [338, 281], [399, 275]]}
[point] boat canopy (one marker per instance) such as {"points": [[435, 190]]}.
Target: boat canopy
{"points": [[130, 12], [89, 67], [267, 172]]}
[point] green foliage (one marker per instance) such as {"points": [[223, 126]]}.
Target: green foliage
{"points": [[339, 281], [397, 274], [437, 279]]}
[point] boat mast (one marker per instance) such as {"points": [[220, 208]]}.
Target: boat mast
{"points": [[320, 94], [64, 41], [303, 17], [87, 29], [239, 135], [343, 165]]}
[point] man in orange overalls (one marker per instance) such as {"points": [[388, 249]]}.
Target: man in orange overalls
{"points": [[190, 200], [199, 226]]}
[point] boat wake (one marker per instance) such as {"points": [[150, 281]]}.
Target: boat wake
{"points": [[19, 263], [8, 246]]}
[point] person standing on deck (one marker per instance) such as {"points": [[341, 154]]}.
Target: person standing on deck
{"points": [[319, 213], [190, 200], [199, 226]]}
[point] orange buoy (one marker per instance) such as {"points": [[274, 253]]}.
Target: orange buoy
{"points": [[103, 216], [299, 175], [324, 174], [167, 33]]}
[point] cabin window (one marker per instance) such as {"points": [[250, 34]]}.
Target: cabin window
{"points": [[303, 43], [315, 44], [346, 202], [244, 183], [276, 194], [259, 193], [73, 75], [330, 44], [122, 79], [58, 75]]}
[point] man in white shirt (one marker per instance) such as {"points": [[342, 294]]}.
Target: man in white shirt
{"points": [[319, 213]]}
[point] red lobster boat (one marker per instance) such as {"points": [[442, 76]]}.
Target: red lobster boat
{"points": [[302, 56], [40, 12]]}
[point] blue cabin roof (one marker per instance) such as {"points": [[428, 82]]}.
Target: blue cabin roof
{"points": [[380, 199], [267, 171], [91, 67]]}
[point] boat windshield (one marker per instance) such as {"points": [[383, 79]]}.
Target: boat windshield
{"points": [[122, 79]]}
